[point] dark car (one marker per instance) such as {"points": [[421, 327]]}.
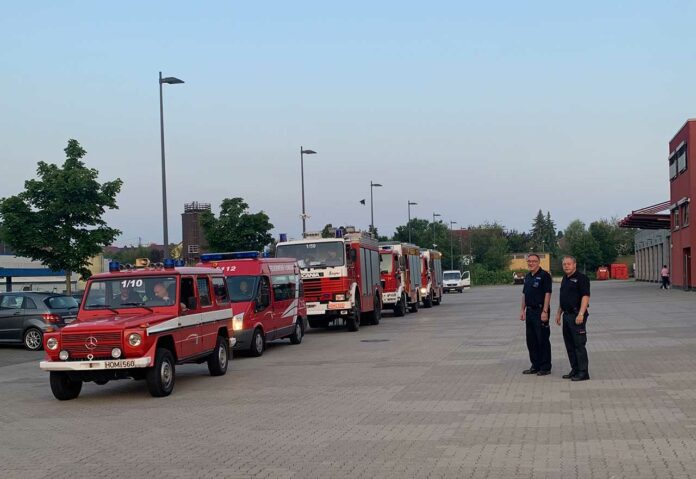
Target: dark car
{"points": [[78, 297], [25, 316]]}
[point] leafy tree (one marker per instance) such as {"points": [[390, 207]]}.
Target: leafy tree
{"points": [[603, 233], [236, 229], [57, 219], [426, 234], [544, 238], [518, 241], [326, 231], [550, 236], [581, 244], [489, 246]]}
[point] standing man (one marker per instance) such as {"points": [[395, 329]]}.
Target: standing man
{"points": [[535, 312], [664, 274], [574, 304]]}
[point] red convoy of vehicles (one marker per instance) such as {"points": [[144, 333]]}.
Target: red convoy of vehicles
{"points": [[141, 323]]}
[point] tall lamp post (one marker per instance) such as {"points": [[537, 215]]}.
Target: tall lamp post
{"points": [[304, 214], [452, 223], [410, 203], [434, 216], [162, 81], [372, 208]]}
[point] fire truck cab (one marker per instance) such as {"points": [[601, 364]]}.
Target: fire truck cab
{"points": [[141, 323], [400, 270], [340, 276], [267, 298], [431, 277]]}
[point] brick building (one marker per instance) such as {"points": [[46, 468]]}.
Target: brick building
{"points": [[682, 188], [193, 237]]}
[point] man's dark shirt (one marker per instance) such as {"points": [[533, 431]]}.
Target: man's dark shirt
{"points": [[573, 288], [535, 288]]}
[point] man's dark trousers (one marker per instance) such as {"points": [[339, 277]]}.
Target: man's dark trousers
{"points": [[538, 342], [575, 339]]}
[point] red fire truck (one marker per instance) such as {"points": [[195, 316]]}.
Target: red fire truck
{"points": [[266, 295], [431, 277], [140, 323], [400, 268], [340, 276]]}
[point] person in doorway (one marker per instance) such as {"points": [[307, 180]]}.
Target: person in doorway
{"points": [[573, 312], [664, 274], [534, 311]]}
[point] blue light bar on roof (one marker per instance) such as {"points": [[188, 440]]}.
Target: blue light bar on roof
{"points": [[207, 257], [114, 266], [169, 263]]}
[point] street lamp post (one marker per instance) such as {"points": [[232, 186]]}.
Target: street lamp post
{"points": [[304, 214], [452, 223], [162, 81], [434, 215], [372, 209], [410, 203]]}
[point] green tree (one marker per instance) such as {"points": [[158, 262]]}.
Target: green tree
{"points": [[57, 219], [518, 241], [428, 235], [581, 244], [236, 229], [538, 232], [604, 235], [489, 246], [550, 235], [326, 231]]}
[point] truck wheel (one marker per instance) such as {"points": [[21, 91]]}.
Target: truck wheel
{"points": [[428, 301], [297, 335], [219, 358], [257, 343], [33, 339], [414, 307], [437, 300], [376, 314], [160, 378], [400, 307], [63, 387], [353, 321]]}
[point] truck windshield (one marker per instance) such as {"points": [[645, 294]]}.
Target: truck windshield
{"points": [[131, 292], [242, 288], [386, 261], [456, 276], [314, 255]]}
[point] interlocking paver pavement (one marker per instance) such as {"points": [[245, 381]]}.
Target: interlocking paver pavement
{"points": [[443, 397]]}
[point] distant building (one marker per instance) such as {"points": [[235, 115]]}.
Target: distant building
{"points": [[518, 261], [193, 237]]}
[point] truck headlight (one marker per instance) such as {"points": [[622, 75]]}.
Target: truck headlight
{"points": [[64, 355], [340, 297], [134, 339], [116, 353], [52, 344], [424, 291], [238, 322]]}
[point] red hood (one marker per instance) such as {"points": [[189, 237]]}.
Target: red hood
{"points": [[243, 307], [116, 321]]}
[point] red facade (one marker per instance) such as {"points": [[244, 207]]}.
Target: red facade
{"points": [[682, 173]]}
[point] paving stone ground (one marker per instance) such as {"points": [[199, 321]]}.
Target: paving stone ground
{"points": [[442, 396]]}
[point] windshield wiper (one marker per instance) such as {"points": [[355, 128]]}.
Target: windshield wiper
{"points": [[141, 305], [101, 306]]}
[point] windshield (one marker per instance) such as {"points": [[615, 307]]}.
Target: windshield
{"points": [[314, 255], [386, 261], [61, 302], [242, 288], [453, 276], [131, 292]]}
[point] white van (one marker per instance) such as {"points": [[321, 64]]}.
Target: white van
{"points": [[455, 280]]}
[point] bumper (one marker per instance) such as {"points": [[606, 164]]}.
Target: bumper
{"points": [[101, 365], [390, 298], [339, 307], [242, 339]]}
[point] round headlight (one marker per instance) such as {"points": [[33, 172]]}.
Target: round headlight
{"points": [[63, 355], [116, 353], [134, 339], [52, 344]]}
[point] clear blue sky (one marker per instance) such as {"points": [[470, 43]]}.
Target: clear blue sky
{"points": [[476, 110]]}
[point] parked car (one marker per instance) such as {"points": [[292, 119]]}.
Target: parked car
{"points": [[454, 280], [25, 316]]}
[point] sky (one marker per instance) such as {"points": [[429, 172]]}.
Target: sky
{"points": [[479, 111]]}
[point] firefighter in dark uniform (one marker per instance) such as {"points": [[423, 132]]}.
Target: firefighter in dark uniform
{"points": [[573, 307], [536, 301]]}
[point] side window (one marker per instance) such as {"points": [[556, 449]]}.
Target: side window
{"points": [[220, 291], [11, 302], [29, 303], [188, 295], [204, 292], [363, 272], [263, 299]]}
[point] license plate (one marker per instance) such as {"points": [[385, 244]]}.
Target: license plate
{"points": [[120, 364]]}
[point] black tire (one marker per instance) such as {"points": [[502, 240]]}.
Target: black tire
{"points": [[414, 307], [219, 358], [437, 300], [376, 314], [298, 333], [428, 301], [258, 343], [161, 377], [33, 339], [353, 320], [63, 387], [400, 307]]}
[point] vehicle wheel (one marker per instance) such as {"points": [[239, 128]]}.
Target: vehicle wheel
{"points": [[414, 307], [400, 307], [160, 378], [428, 301], [353, 320], [437, 300], [296, 337], [257, 343], [63, 387], [376, 314], [101, 382], [219, 358], [33, 339]]}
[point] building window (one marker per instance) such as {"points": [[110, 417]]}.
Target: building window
{"points": [[675, 217], [681, 158], [673, 165], [193, 249], [685, 214]]}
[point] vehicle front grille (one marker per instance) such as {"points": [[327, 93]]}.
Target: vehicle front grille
{"points": [[323, 289], [76, 344]]}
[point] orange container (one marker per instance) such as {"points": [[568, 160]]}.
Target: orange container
{"points": [[602, 273], [619, 271]]}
